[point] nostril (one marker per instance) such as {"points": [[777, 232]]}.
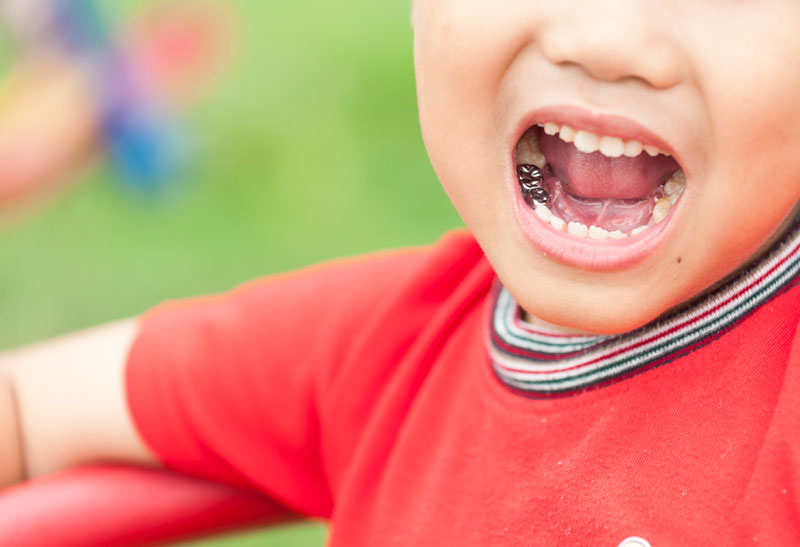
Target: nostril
{"points": [[601, 51]]}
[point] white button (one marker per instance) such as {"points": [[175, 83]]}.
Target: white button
{"points": [[634, 542]]}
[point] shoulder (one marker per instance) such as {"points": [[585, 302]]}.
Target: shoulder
{"points": [[357, 286], [330, 303]]}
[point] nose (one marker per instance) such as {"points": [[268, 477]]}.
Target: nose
{"points": [[613, 40]]}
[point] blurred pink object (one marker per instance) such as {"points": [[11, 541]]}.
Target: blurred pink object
{"points": [[181, 47], [118, 505]]}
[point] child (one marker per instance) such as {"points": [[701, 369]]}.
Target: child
{"points": [[621, 366]]}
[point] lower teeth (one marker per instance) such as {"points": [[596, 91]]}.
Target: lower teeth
{"points": [[531, 162]]}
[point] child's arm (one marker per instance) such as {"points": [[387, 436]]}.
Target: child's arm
{"points": [[62, 403]]}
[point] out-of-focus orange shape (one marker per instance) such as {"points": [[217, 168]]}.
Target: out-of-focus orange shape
{"points": [[48, 126]]}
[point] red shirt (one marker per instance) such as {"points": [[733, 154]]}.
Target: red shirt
{"points": [[402, 397]]}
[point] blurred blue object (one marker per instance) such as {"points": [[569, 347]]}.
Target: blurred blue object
{"points": [[142, 142], [143, 147]]}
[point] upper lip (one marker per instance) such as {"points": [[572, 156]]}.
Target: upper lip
{"points": [[612, 125]]}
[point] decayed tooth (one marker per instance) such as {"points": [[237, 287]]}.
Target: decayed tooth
{"points": [[528, 152], [638, 230], [587, 142], [577, 229], [651, 150], [676, 183], [537, 159], [551, 128], [674, 187], [661, 209], [596, 232], [617, 234], [543, 212], [612, 147], [633, 148], [566, 134], [557, 223]]}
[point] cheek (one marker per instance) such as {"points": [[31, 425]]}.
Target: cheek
{"points": [[752, 181], [758, 130], [756, 174], [461, 53], [753, 102], [462, 49]]}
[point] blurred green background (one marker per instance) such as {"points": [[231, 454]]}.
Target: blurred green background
{"points": [[308, 148]]}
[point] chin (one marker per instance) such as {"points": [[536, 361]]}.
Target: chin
{"points": [[591, 308]]}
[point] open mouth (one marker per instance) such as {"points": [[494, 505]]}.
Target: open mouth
{"points": [[594, 186]]}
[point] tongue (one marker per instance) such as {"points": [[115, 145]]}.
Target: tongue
{"points": [[597, 176]]}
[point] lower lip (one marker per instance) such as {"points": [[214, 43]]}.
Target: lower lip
{"points": [[584, 252]]}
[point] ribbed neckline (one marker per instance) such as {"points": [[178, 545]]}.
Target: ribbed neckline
{"points": [[540, 364]]}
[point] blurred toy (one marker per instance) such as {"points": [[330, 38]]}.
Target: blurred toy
{"points": [[123, 505], [78, 88]]}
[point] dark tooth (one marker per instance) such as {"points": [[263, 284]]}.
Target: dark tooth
{"points": [[530, 178], [526, 171], [539, 195]]}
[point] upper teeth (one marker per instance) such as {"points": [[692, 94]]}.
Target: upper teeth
{"points": [[612, 147]]}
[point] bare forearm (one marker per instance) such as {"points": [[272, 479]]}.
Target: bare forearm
{"points": [[11, 459], [63, 404]]}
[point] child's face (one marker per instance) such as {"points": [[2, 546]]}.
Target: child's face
{"points": [[714, 83]]}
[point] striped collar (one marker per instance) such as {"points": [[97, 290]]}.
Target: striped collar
{"points": [[542, 365]]}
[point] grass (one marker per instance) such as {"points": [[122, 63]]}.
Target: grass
{"points": [[285, 535], [309, 148]]}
